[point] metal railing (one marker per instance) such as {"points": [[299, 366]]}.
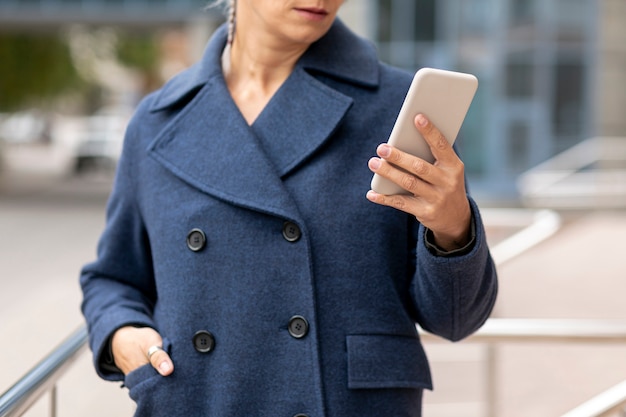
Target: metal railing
{"points": [[589, 175], [43, 378], [534, 227], [576, 331], [606, 404]]}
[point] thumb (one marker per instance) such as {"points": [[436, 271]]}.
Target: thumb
{"points": [[160, 360]]}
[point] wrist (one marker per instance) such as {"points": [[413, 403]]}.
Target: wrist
{"points": [[453, 250], [448, 242]]}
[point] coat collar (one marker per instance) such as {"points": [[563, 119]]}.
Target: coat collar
{"points": [[343, 55], [339, 54], [244, 165]]}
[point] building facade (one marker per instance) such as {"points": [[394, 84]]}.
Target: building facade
{"points": [[552, 72]]}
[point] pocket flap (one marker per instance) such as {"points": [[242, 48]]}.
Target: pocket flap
{"points": [[387, 361]]}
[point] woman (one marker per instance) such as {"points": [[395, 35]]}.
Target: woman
{"points": [[243, 271]]}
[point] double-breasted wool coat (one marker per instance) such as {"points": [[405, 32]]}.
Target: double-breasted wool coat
{"points": [[278, 288]]}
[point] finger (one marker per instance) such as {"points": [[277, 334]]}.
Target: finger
{"points": [[396, 201], [414, 173], [160, 360], [439, 145]]}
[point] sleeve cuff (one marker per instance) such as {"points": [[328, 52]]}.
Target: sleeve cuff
{"points": [[106, 362], [429, 240]]}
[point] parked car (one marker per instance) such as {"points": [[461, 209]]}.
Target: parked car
{"points": [[100, 144], [23, 127]]}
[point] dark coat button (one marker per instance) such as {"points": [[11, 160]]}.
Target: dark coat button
{"points": [[298, 327], [291, 232], [300, 415], [203, 341], [196, 240]]}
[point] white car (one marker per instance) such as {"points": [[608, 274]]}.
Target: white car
{"points": [[99, 146], [23, 127]]}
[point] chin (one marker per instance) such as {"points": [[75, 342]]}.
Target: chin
{"points": [[309, 35]]}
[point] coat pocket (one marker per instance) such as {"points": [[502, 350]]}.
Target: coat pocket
{"points": [[387, 361]]}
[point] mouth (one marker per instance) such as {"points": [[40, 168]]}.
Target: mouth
{"points": [[312, 12]]}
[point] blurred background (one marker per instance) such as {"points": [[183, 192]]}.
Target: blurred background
{"points": [[544, 146]]}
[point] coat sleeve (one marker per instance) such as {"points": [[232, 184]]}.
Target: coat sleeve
{"points": [[118, 288], [454, 295]]}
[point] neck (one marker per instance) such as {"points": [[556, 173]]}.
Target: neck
{"points": [[256, 68], [265, 66]]}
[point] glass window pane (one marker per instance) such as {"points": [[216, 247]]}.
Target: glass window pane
{"points": [[567, 106], [384, 20], [520, 79], [406, 20], [425, 19], [476, 16], [518, 147], [522, 12]]}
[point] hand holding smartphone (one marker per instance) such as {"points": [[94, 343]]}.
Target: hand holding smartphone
{"points": [[444, 98]]}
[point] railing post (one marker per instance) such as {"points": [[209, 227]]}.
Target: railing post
{"points": [[53, 401], [492, 383]]}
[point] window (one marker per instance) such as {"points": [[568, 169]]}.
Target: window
{"points": [[425, 20], [518, 147], [477, 16], [567, 104], [522, 12], [406, 20], [520, 79]]}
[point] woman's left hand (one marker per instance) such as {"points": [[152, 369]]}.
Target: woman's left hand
{"points": [[437, 191]]}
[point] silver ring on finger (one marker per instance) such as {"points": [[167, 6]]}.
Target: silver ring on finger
{"points": [[153, 349]]}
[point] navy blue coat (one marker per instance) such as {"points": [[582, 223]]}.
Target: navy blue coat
{"points": [[358, 274]]}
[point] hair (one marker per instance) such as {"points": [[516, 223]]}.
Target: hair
{"points": [[229, 7]]}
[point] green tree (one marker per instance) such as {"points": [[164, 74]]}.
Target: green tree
{"points": [[138, 51], [34, 68], [37, 68]]}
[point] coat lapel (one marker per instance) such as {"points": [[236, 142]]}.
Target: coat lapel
{"points": [[210, 146], [300, 117]]}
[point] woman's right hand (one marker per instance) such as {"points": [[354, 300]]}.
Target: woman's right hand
{"points": [[130, 347]]}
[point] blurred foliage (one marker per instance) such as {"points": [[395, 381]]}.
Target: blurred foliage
{"points": [[138, 51], [33, 68], [141, 52], [37, 68]]}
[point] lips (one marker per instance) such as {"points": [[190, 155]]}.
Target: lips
{"points": [[313, 11]]}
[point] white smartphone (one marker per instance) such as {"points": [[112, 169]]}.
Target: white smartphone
{"points": [[444, 97]]}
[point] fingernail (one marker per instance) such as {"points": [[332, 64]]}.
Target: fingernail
{"points": [[384, 150], [375, 163], [164, 367], [421, 120]]}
